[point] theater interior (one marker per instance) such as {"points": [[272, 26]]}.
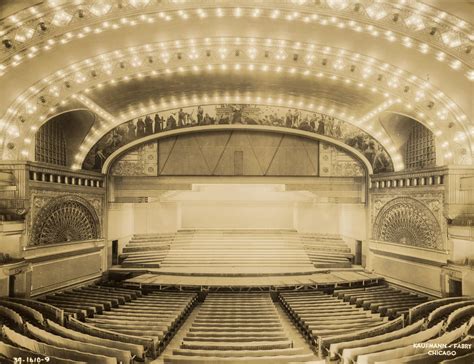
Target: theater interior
{"points": [[236, 181]]}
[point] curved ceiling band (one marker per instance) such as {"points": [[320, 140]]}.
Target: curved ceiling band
{"points": [[337, 70], [413, 24]]}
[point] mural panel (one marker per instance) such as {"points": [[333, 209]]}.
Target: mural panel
{"points": [[245, 114]]}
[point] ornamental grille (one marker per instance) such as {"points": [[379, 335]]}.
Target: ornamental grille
{"points": [[409, 222], [421, 150], [50, 144], [66, 221]]}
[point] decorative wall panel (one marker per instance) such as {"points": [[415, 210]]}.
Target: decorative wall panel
{"points": [[62, 217], [408, 221], [416, 219], [140, 161], [223, 153], [334, 162], [56, 273]]}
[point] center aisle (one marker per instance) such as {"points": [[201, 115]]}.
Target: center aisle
{"points": [[238, 327], [294, 334]]}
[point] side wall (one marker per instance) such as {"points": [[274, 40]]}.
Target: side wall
{"points": [[53, 197], [416, 229]]}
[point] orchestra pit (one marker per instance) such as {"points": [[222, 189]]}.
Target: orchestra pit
{"points": [[236, 181]]}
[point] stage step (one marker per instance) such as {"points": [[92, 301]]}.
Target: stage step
{"points": [[237, 250]]}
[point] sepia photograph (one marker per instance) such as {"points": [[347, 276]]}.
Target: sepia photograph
{"points": [[237, 181]]}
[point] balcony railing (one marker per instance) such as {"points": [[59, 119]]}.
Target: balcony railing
{"points": [[409, 179]]}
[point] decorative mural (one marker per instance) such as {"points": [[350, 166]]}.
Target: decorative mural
{"points": [[239, 114], [65, 218], [409, 221]]}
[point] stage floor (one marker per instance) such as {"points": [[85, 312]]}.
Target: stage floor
{"points": [[334, 278]]}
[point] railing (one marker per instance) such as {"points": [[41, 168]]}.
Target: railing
{"points": [[409, 179], [64, 176]]}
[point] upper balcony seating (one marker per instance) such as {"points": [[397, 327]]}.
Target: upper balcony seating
{"points": [[237, 327], [319, 315], [386, 300]]}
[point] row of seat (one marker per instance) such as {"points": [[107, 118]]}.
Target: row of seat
{"points": [[425, 309], [318, 315], [387, 301], [157, 315], [87, 300], [237, 327], [444, 311], [28, 335], [390, 342], [150, 320]]}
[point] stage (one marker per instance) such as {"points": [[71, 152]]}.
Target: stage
{"points": [[323, 279]]}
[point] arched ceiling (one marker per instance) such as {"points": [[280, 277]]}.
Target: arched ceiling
{"points": [[351, 58]]}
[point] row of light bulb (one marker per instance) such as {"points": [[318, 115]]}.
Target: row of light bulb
{"points": [[375, 11], [110, 123], [112, 82], [61, 74], [368, 70], [393, 82], [237, 67], [408, 42]]}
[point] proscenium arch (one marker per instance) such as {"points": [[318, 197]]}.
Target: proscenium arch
{"points": [[95, 136], [202, 129]]}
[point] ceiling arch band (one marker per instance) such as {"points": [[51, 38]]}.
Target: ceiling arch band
{"points": [[42, 99], [415, 25]]}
